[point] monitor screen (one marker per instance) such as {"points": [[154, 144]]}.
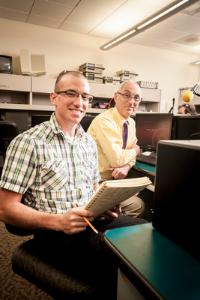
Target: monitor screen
{"points": [[151, 128], [186, 127], [5, 64]]}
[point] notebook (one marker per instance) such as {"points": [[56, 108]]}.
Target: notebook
{"points": [[177, 190]]}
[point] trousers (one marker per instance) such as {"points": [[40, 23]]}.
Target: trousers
{"points": [[86, 256]]}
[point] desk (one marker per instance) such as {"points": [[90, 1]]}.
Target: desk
{"points": [[146, 169], [156, 267]]}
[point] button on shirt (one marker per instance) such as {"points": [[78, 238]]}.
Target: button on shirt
{"points": [[51, 170], [107, 131]]}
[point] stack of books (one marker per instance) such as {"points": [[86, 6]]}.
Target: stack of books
{"points": [[148, 84], [126, 75], [114, 80], [93, 72]]}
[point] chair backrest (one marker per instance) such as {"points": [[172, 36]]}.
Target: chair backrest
{"points": [[85, 122], [8, 130]]}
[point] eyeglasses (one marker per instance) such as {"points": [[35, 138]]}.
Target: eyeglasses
{"points": [[74, 94], [128, 97]]}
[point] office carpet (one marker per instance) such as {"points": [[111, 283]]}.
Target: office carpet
{"points": [[12, 286]]}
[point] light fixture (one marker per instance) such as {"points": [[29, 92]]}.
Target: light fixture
{"points": [[159, 16], [197, 62]]}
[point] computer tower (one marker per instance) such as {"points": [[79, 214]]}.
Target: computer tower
{"points": [[177, 193]]}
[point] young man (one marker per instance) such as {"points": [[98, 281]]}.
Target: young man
{"points": [[115, 136], [50, 169]]}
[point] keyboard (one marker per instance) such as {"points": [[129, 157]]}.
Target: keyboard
{"points": [[149, 159]]}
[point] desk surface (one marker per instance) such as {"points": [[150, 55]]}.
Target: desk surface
{"points": [[149, 169], [164, 266]]}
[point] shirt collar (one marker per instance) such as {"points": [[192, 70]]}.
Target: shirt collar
{"points": [[58, 130], [119, 117]]}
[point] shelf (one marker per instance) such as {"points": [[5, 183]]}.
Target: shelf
{"points": [[16, 83], [33, 92], [151, 95], [103, 90]]}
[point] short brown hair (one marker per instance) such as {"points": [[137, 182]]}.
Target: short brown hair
{"points": [[77, 74]]}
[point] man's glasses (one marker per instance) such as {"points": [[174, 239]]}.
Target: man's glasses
{"points": [[74, 94], [129, 97]]}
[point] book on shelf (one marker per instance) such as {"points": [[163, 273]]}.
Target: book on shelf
{"points": [[112, 192]]}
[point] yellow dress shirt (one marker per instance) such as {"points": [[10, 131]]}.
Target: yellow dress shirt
{"points": [[106, 129]]}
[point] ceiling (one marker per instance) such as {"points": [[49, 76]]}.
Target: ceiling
{"points": [[109, 18]]}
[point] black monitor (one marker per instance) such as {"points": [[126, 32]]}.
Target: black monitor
{"points": [[176, 204], [37, 119], [151, 128], [5, 64], [186, 127]]}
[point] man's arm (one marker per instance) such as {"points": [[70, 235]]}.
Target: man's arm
{"points": [[108, 138], [12, 211]]}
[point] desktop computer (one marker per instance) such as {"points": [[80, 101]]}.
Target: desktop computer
{"points": [[186, 127], [177, 205], [150, 129]]}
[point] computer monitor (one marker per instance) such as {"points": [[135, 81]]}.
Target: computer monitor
{"points": [[186, 127], [151, 128], [176, 204]]}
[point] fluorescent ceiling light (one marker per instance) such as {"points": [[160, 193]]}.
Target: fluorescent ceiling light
{"points": [[165, 12], [196, 62], [117, 40], [162, 14]]}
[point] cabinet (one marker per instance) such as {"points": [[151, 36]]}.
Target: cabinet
{"points": [[15, 89], [40, 89], [32, 93], [150, 100], [150, 97], [103, 90]]}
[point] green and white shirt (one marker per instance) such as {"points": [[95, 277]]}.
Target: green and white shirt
{"points": [[49, 169]]}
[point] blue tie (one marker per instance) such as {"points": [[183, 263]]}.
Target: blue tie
{"points": [[125, 134]]}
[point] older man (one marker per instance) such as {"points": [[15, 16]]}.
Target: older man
{"points": [[115, 135]]}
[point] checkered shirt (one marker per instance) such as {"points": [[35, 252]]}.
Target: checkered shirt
{"points": [[49, 169]]}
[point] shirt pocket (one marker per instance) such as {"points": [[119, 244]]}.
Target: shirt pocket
{"points": [[54, 175]]}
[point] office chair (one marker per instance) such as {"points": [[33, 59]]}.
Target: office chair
{"points": [[85, 122], [37, 264], [8, 130]]}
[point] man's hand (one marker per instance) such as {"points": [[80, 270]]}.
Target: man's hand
{"points": [[111, 213], [73, 222], [120, 172]]}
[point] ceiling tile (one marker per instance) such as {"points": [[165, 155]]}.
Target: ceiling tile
{"points": [[126, 16], [43, 21], [13, 14], [52, 9], [22, 5], [89, 13]]}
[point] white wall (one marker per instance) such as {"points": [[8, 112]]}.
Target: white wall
{"points": [[67, 50]]}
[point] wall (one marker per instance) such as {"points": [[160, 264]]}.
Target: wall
{"points": [[67, 50]]}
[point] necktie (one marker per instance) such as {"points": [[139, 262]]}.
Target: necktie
{"points": [[125, 134]]}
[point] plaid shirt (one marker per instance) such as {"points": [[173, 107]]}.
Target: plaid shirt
{"points": [[49, 169]]}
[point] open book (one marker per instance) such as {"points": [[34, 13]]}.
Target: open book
{"points": [[111, 192]]}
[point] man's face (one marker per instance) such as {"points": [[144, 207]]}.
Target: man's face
{"points": [[127, 99], [71, 99]]}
